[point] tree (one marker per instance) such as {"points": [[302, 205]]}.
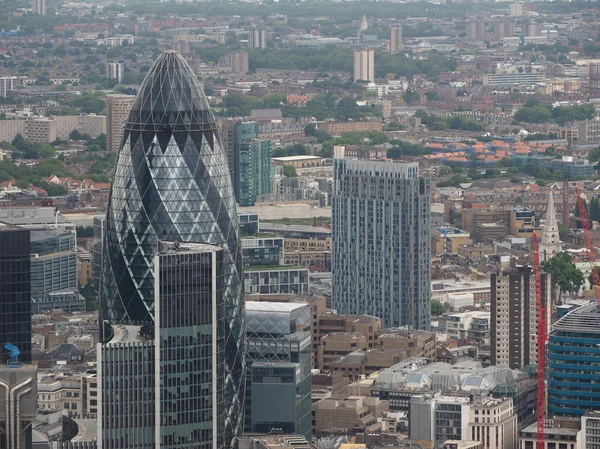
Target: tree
{"points": [[594, 156], [411, 97], [565, 275], [289, 171], [437, 308]]}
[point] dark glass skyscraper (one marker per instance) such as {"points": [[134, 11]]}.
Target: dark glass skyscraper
{"points": [[15, 291], [172, 183]]}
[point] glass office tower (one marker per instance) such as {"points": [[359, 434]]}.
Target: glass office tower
{"points": [[381, 242], [172, 183]]}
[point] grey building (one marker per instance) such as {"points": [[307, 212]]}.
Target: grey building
{"points": [[171, 372], [18, 396], [263, 251], [172, 184], [381, 254], [276, 280], [278, 385]]}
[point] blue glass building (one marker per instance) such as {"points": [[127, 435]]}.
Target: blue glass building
{"points": [[172, 184], [574, 363]]}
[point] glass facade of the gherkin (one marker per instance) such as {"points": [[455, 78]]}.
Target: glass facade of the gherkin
{"points": [[172, 183]]}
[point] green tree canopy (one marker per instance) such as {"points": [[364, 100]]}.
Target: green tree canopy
{"points": [[565, 275]]}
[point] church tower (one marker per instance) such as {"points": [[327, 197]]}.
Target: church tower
{"points": [[551, 243]]}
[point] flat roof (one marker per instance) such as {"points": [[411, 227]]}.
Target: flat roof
{"points": [[295, 158]]}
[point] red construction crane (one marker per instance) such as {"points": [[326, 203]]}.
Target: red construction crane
{"points": [[542, 336], [589, 244]]}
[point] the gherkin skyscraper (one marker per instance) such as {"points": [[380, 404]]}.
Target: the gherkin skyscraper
{"points": [[171, 184]]}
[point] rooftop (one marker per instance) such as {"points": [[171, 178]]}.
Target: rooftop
{"points": [[186, 248], [295, 158], [585, 319]]}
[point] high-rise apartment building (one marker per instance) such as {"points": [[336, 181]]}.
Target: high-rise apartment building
{"points": [[504, 28], [531, 28], [476, 29], [257, 38], [172, 184], [396, 39], [15, 291], [226, 128], [114, 70], [7, 83], [381, 242], [236, 62], [278, 383], [364, 64], [39, 7], [252, 175], [514, 317], [118, 107]]}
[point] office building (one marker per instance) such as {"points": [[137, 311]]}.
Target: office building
{"points": [[114, 70], [573, 363], [476, 418], [362, 413], [514, 317], [179, 402], [262, 251], [15, 291], [278, 385], [39, 7], [364, 65], [381, 242], [19, 405], [118, 107], [396, 39], [257, 38], [476, 29], [252, 156], [172, 184], [97, 248], [276, 280], [590, 427]]}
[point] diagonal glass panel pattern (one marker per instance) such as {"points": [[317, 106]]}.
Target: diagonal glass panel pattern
{"points": [[172, 183]]}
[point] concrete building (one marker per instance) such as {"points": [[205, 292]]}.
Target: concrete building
{"points": [[257, 38], [514, 320], [467, 326], [40, 130], [364, 64], [335, 128], [377, 270], [396, 45], [76, 393], [226, 128], [477, 418], [262, 251], [91, 124], [352, 412], [504, 28], [476, 29], [7, 83], [590, 428], [447, 239], [334, 346], [235, 62], [557, 434], [515, 9], [118, 107], [39, 7], [531, 28], [19, 406], [114, 70], [588, 130]]}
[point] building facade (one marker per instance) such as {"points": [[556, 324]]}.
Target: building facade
{"points": [[257, 38], [278, 385], [15, 291], [114, 70], [118, 107], [276, 280], [172, 184], [514, 317], [573, 363], [396, 45], [364, 65], [252, 175], [39, 7], [18, 397], [381, 242]]}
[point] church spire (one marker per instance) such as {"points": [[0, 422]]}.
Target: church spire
{"points": [[551, 243]]}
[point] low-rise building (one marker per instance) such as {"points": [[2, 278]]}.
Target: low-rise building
{"points": [[350, 413], [276, 280], [76, 393]]}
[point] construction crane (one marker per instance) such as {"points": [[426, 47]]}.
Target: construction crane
{"points": [[542, 336], [589, 244]]}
